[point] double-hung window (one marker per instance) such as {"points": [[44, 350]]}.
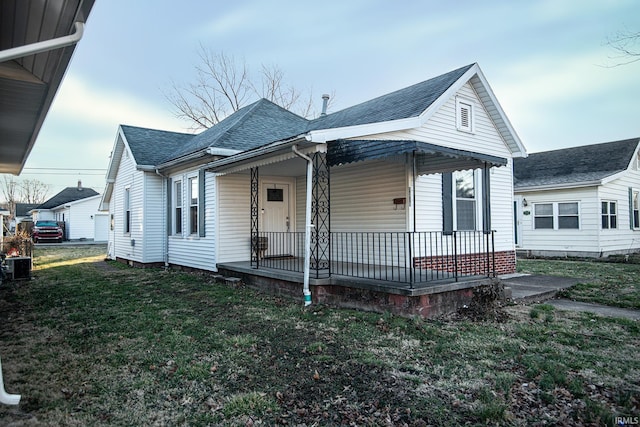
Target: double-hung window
{"points": [[609, 215], [556, 216], [127, 210], [466, 206], [193, 205], [543, 216], [177, 208]]}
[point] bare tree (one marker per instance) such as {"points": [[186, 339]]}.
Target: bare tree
{"points": [[627, 45], [24, 191], [224, 85], [33, 191], [10, 189]]}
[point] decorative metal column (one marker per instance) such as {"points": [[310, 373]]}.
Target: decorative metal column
{"points": [[255, 247], [320, 215]]}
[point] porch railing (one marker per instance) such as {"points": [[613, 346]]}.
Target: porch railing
{"points": [[401, 257]]}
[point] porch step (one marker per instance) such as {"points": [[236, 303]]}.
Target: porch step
{"points": [[233, 281]]}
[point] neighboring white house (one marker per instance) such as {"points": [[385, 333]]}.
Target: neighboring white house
{"points": [[76, 207], [409, 187], [580, 201]]}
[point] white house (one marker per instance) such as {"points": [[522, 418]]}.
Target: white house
{"points": [[580, 201], [407, 190], [76, 208]]}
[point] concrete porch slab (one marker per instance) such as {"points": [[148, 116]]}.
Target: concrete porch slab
{"points": [[530, 288]]}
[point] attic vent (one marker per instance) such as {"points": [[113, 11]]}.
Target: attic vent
{"points": [[464, 115]]}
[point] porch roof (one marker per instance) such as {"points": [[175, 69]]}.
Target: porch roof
{"points": [[430, 158]]}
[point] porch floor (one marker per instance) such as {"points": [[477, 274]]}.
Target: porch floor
{"points": [[399, 285]]}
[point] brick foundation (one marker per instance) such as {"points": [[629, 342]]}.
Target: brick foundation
{"points": [[469, 264]]}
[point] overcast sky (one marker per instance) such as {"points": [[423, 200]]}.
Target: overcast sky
{"points": [[548, 63]]}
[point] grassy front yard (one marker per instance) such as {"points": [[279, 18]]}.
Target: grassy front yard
{"points": [[615, 284], [93, 343]]}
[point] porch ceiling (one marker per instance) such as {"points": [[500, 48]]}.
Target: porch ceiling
{"points": [[430, 158]]}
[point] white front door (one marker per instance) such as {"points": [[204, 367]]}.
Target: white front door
{"points": [[276, 217]]}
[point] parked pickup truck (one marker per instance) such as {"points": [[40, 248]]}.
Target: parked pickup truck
{"points": [[44, 231]]}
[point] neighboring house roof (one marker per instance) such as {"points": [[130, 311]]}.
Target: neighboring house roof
{"points": [[69, 194], [584, 165], [22, 209]]}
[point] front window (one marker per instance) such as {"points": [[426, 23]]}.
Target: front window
{"points": [[127, 210], [465, 200], [543, 216], [193, 205], [609, 215], [568, 215]]}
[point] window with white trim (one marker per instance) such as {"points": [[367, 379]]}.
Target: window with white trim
{"points": [[464, 114], [543, 216], [465, 197], [568, 216], [609, 215], [177, 208], [127, 210], [193, 205], [556, 216]]}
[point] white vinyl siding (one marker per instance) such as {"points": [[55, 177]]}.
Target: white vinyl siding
{"points": [[79, 217], [234, 230], [193, 250], [362, 196], [129, 245]]}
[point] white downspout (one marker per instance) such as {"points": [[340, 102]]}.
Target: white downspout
{"points": [[6, 398], [43, 46], [308, 226]]}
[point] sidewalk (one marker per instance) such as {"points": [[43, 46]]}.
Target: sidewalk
{"points": [[533, 288]]}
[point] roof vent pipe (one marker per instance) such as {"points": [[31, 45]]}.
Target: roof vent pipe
{"points": [[325, 102], [79, 185]]}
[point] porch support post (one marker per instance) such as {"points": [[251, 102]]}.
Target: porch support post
{"points": [[320, 215], [255, 240]]}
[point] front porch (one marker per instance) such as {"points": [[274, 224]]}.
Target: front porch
{"points": [[393, 267]]}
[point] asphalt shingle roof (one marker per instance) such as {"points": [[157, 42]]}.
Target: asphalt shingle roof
{"points": [[151, 147], [68, 195], [574, 165], [252, 126], [264, 122], [23, 208], [401, 104]]}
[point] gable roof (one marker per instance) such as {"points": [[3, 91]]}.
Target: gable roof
{"points": [[252, 126], [69, 194], [587, 164], [413, 106], [408, 102], [150, 146], [22, 209]]}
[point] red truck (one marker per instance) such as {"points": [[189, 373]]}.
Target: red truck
{"points": [[46, 231]]}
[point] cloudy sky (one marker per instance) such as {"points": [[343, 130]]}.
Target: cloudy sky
{"points": [[548, 63]]}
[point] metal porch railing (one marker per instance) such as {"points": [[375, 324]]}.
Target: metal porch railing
{"points": [[400, 257]]}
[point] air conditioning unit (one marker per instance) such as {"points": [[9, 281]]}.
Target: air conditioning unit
{"points": [[19, 267]]}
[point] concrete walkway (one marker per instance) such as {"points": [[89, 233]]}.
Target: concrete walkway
{"points": [[534, 288], [603, 310]]}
